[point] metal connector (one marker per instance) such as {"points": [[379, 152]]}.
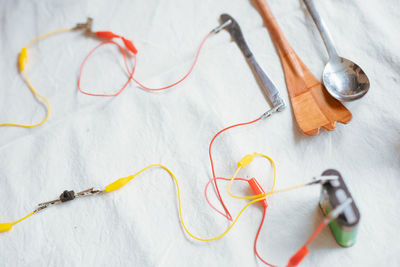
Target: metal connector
{"points": [[89, 192], [68, 196], [323, 179], [272, 111], [337, 211], [220, 27], [87, 27]]}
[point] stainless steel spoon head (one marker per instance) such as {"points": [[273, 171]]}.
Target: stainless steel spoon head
{"points": [[345, 80]]}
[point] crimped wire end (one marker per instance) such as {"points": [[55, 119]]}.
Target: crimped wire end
{"points": [[220, 27], [271, 111], [85, 26]]}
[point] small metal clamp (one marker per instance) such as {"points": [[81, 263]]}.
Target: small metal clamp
{"points": [[68, 196], [220, 27], [337, 211], [323, 179], [86, 27], [272, 111]]}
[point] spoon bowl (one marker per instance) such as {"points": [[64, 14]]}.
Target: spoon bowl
{"points": [[345, 80]]}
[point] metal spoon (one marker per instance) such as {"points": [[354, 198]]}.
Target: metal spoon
{"points": [[343, 79]]}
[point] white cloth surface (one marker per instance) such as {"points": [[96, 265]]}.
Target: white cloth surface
{"points": [[91, 141]]}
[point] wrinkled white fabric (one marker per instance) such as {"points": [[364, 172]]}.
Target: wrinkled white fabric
{"points": [[91, 141]]}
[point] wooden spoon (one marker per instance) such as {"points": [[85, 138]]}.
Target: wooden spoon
{"points": [[313, 106]]}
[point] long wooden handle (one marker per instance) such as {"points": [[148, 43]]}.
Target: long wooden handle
{"points": [[279, 39], [273, 26]]}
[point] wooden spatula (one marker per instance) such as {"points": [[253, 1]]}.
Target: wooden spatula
{"points": [[312, 105]]}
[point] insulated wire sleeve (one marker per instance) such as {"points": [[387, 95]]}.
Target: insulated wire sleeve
{"points": [[24, 59]]}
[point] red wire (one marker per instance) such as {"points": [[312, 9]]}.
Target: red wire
{"points": [[122, 50], [256, 239], [303, 251], [218, 178], [261, 223], [315, 234], [133, 70], [227, 213], [184, 77]]}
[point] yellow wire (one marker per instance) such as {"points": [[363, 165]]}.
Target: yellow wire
{"points": [[17, 221], [34, 92], [47, 35], [289, 188], [123, 181], [254, 196], [129, 178], [262, 197], [37, 95]]}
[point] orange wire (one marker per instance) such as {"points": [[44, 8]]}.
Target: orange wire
{"points": [[256, 239], [133, 70], [184, 77], [227, 213], [122, 50], [315, 234]]}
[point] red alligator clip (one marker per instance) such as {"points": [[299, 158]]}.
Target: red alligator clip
{"points": [[106, 35], [257, 190], [129, 45]]}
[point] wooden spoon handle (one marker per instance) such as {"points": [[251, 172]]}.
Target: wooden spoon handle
{"points": [[279, 39], [273, 26]]}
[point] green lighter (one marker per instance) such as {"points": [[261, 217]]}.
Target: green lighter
{"points": [[335, 192]]}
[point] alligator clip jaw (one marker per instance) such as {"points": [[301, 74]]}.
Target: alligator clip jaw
{"points": [[68, 196]]}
